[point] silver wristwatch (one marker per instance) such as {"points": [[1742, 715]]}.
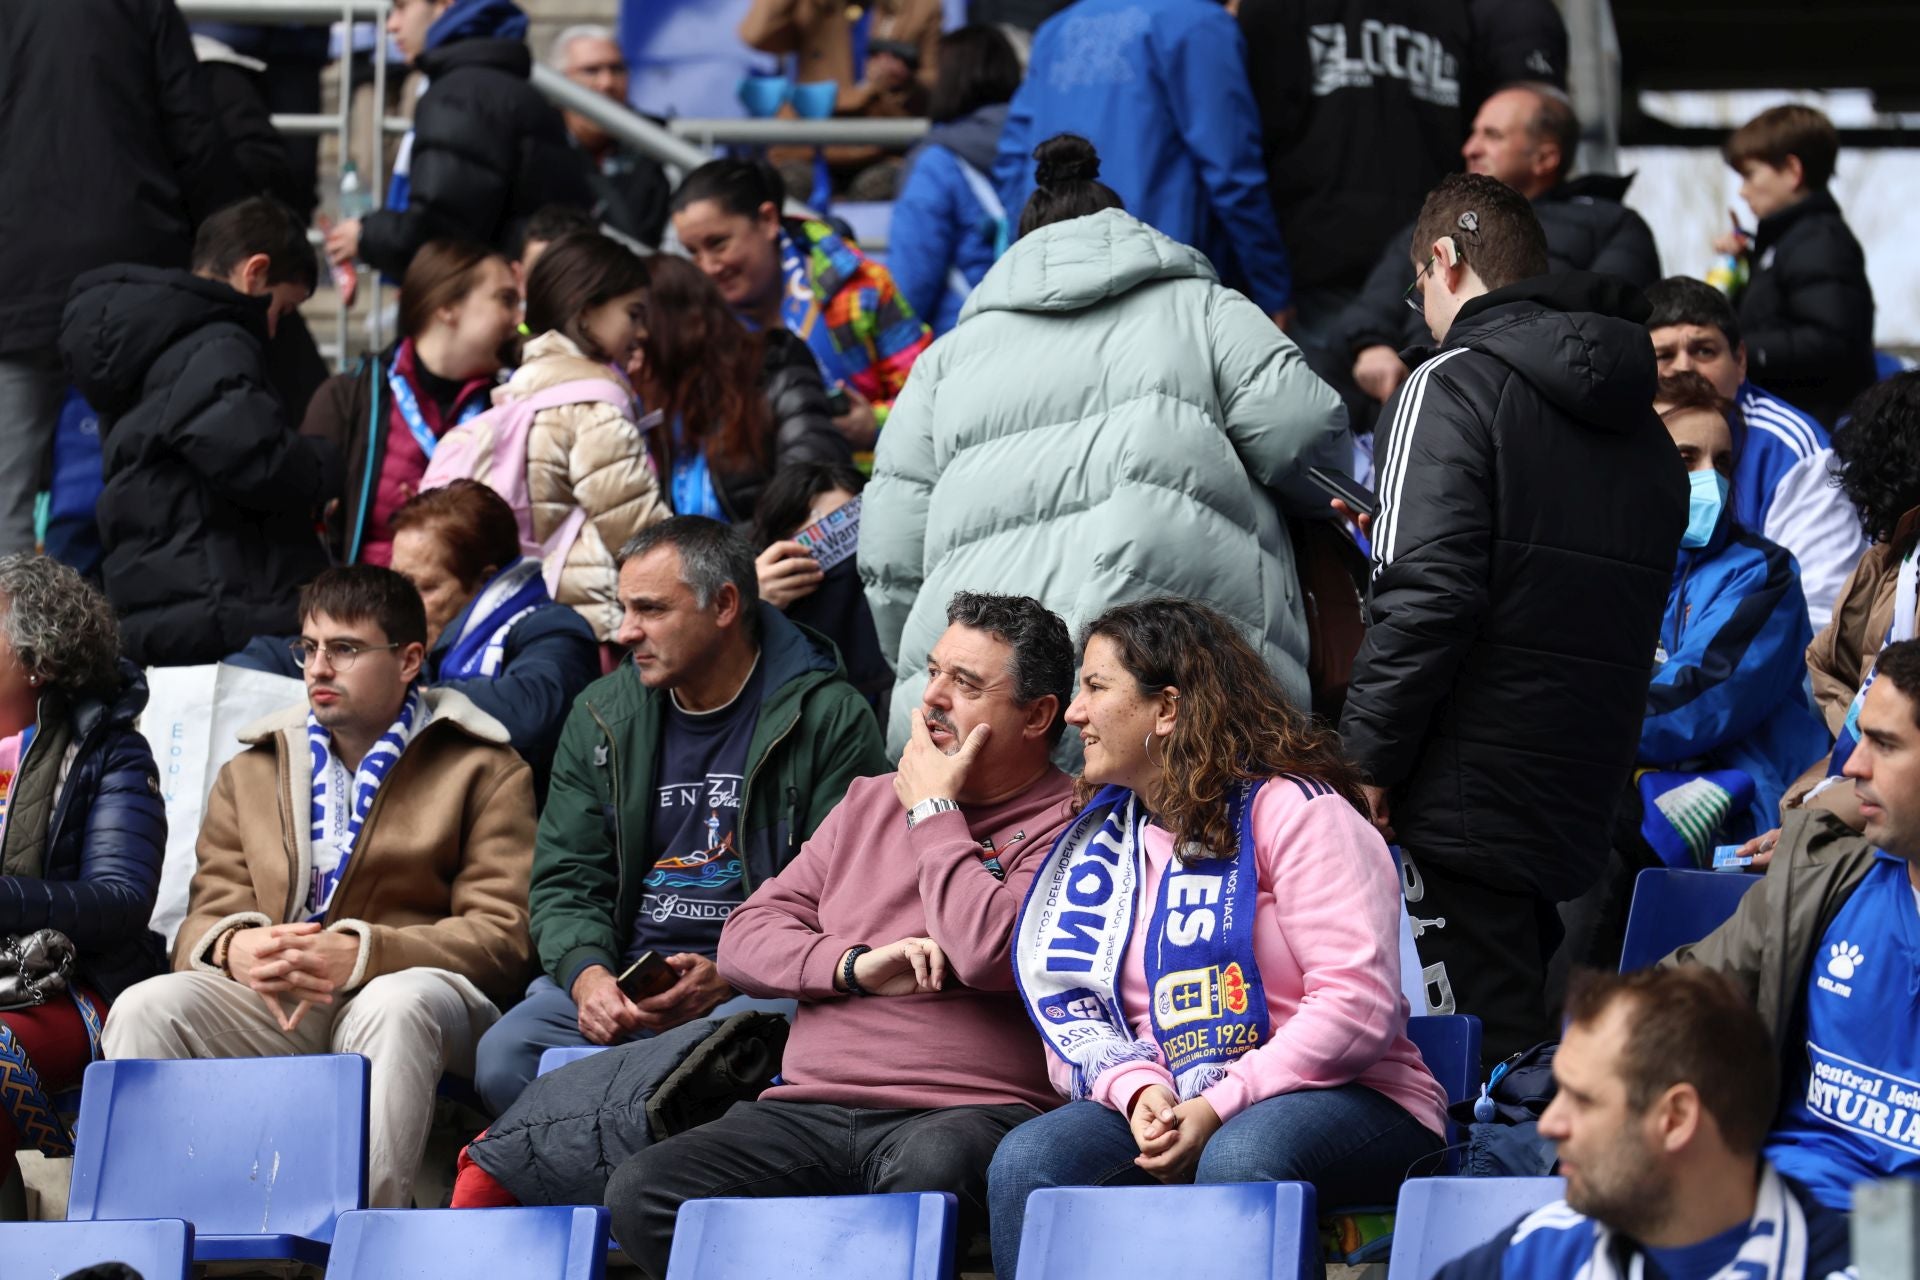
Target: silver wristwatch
{"points": [[927, 808]]}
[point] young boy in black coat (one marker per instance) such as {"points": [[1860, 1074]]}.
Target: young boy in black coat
{"points": [[1807, 311], [208, 515]]}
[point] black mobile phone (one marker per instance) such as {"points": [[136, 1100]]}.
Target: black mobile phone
{"points": [[647, 976], [839, 404], [1363, 500]]}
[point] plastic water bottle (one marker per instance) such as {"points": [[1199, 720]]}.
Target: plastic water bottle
{"points": [[355, 200]]}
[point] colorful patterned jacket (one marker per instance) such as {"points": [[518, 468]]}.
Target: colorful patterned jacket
{"points": [[858, 325]]}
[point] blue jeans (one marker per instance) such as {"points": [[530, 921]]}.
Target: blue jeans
{"points": [[1352, 1144], [509, 1053]]}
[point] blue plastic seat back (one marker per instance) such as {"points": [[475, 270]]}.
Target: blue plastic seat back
{"points": [[1450, 1045], [158, 1248], [1441, 1218], [561, 1242], [239, 1147], [1672, 908], [892, 1237], [1223, 1231], [561, 1055]]}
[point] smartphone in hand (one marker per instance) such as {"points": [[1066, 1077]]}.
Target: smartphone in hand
{"points": [[647, 976], [1363, 500]]}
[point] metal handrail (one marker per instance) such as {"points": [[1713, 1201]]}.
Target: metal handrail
{"points": [[325, 13], [623, 122], [884, 132]]}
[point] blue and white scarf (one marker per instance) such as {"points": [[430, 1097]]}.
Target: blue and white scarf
{"points": [[1209, 1006], [480, 647], [341, 803], [1906, 599]]}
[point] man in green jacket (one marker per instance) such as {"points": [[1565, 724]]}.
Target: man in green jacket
{"points": [[1828, 947], [682, 782]]}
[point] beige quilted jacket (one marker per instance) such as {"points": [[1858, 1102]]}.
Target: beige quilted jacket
{"points": [[585, 455]]}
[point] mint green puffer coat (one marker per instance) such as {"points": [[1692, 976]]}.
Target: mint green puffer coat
{"points": [[1106, 423]]}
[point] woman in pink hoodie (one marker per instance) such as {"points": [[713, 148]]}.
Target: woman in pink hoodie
{"points": [[1230, 1012]]}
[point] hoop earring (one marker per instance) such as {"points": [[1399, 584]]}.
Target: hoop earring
{"points": [[1147, 747]]}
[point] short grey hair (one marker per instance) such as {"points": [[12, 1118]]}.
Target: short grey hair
{"points": [[60, 627], [557, 52], [712, 554]]}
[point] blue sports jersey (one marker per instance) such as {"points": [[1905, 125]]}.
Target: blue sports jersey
{"points": [[1855, 1115]]}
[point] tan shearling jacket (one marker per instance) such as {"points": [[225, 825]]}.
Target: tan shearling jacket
{"points": [[438, 878], [585, 455]]}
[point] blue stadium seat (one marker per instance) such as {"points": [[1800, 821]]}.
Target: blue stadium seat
{"points": [[260, 1154], [158, 1248], [1672, 908], [1450, 1044], [555, 1243], [560, 1056], [896, 1237], [1222, 1231], [1441, 1218]]}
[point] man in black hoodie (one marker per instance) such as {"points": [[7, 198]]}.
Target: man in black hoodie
{"points": [[1525, 135], [1531, 505], [486, 149], [208, 515]]}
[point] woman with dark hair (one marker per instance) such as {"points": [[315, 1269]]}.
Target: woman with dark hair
{"points": [[948, 222], [82, 830], [792, 581], [801, 276], [458, 309], [1107, 421], [587, 312], [738, 407], [1878, 452], [1241, 872]]}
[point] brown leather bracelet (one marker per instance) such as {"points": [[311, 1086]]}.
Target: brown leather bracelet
{"points": [[222, 945]]}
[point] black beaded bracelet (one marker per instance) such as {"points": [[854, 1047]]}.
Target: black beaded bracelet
{"points": [[847, 980]]}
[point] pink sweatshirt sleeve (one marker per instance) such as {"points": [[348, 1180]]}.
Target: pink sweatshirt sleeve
{"points": [[969, 913], [771, 946], [1336, 902]]}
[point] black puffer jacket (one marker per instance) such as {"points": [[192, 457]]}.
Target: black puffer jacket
{"points": [[109, 151], [803, 429], [488, 151], [1531, 508], [210, 501], [98, 837], [1807, 312], [1587, 229]]}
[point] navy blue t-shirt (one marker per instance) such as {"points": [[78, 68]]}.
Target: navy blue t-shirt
{"points": [[696, 878]]}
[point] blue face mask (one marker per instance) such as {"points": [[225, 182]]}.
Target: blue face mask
{"points": [[1704, 505]]}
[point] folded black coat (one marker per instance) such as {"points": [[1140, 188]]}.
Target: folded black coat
{"points": [[571, 1128]]}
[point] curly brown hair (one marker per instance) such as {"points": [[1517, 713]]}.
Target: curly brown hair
{"points": [[1235, 724]]}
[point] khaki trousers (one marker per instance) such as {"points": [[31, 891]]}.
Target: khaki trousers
{"points": [[412, 1026]]}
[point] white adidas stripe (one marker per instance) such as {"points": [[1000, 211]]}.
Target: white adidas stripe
{"points": [[1778, 421], [1393, 480]]}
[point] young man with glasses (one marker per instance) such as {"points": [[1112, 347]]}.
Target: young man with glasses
{"points": [[1531, 506], [362, 880]]}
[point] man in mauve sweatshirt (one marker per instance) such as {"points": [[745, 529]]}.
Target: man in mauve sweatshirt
{"points": [[910, 1055]]}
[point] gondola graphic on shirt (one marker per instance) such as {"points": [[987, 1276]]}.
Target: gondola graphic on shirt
{"points": [[714, 867]]}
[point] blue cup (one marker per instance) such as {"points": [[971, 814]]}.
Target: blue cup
{"points": [[763, 96], [815, 101]]}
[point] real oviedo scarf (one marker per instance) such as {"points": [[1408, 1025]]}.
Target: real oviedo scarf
{"points": [[1208, 1005], [341, 803], [480, 647]]}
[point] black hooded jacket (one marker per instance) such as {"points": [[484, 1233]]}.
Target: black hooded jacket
{"points": [[109, 150], [1807, 312], [208, 516], [1531, 508], [1587, 229], [488, 152]]}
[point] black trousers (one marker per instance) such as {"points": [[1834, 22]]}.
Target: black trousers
{"points": [[1485, 950], [806, 1149]]}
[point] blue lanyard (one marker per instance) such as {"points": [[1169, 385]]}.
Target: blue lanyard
{"points": [[403, 400]]}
